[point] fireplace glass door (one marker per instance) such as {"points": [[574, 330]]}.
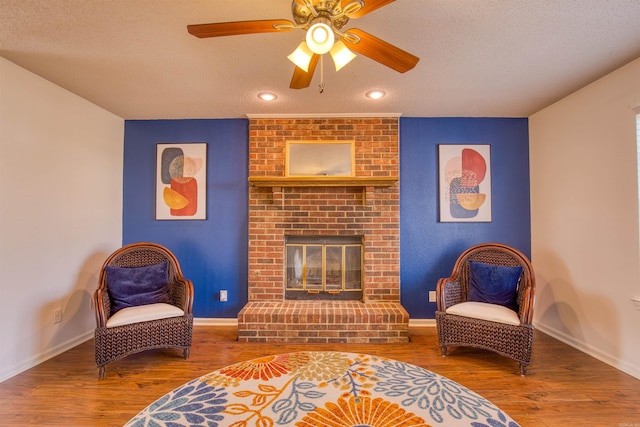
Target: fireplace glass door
{"points": [[323, 268]]}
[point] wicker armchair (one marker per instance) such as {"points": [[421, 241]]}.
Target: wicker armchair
{"points": [[115, 342], [511, 340]]}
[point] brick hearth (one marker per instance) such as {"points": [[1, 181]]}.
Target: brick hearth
{"points": [[323, 322], [279, 211]]}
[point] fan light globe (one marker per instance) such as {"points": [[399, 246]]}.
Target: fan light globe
{"points": [[301, 56], [341, 55], [320, 38]]}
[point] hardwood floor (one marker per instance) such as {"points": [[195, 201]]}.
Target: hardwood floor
{"points": [[564, 387]]}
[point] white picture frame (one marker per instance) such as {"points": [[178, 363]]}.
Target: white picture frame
{"points": [[320, 158]]}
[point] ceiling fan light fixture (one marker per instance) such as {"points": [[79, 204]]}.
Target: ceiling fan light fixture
{"points": [[320, 36], [301, 56], [322, 21], [341, 55]]}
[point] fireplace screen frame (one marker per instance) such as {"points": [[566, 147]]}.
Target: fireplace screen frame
{"points": [[324, 268]]}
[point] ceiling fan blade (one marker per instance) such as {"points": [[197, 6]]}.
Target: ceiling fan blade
{"points": [[381, 51], [240, 27], [369, 6], [302, 79]]}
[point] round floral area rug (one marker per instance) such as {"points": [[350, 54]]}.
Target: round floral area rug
{"points": [[322, 389]]}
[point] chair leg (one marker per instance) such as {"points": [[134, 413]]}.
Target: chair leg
{"points": [[101, 372], [523, 369], [186, 353], [443, 351]]}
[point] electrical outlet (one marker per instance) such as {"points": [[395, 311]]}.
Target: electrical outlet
{"points": [[57, 315], [223, 296], [432, 296]]}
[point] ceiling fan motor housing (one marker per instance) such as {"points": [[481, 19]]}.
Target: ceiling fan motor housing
{"points": [[306, 12]]}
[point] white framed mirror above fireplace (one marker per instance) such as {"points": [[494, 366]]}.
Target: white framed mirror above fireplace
{"points": [[320, 158]]}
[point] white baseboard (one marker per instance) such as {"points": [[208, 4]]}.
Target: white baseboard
{"points": [[45, 355], [420, 323], [590, 350], [221, 321]]}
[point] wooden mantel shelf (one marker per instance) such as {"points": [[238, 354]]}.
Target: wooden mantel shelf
{"points": [[322, 181], [367, 184]]}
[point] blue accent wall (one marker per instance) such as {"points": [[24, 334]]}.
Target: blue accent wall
{"points": [[429, 248], [213, 253]]}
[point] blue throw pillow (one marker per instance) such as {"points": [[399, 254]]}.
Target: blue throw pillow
{"points": [[133, 286], [494, 284]]}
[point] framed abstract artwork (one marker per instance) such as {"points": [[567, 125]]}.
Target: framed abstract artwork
{"points": [[465, 183], [181, 181]]}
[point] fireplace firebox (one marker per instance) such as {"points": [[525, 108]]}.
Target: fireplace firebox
{"points": [[323, 268]]}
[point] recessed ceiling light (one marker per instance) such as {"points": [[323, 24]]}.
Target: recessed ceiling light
{"points": [[376, 94], [267, 96]]}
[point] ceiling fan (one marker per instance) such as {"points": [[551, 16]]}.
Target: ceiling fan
{"points": [[323, 21]]}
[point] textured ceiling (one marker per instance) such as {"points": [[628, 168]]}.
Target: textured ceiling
{"points": [[506, 58]]}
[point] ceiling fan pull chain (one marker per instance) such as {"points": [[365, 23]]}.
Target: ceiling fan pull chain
{"points": [[321, 86]]}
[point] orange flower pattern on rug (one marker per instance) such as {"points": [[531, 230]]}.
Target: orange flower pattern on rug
{"points": [[265, 368], [321, 389], [361, 411]]}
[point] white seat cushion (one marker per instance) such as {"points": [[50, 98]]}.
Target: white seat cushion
{"points": [[143, 313], [485, 311]]}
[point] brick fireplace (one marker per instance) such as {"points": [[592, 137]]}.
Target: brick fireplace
{"points": [[365, 206]]}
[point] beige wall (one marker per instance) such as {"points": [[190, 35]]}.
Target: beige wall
{"points": [[584, 201], [60, 214]]}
